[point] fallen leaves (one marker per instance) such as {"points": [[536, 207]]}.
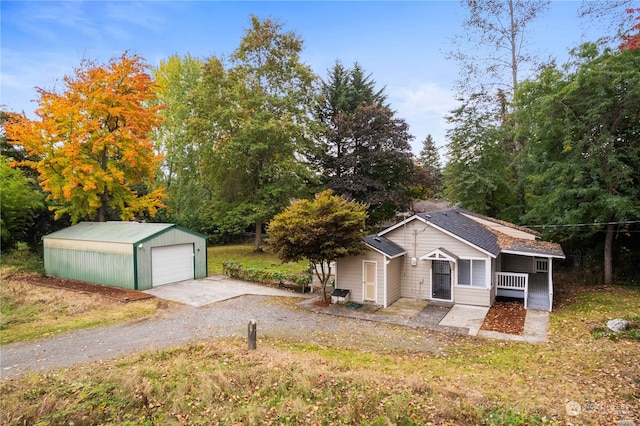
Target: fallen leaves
{"points": [[505, 317]]}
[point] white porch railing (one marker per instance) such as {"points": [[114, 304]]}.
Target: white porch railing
{"points": [[513, 281], [542, 265]]}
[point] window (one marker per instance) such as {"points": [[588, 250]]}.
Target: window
{"points": [[471, 272]]}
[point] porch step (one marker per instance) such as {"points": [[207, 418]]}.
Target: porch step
{"points": [[538, 303]]}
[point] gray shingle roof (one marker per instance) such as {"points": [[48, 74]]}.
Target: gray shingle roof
{"points": [[467, 229], [384, 245], [490, 240]]}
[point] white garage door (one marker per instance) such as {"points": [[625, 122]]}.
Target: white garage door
{"points": [[171, 263]]}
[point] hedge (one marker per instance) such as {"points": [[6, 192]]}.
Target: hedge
{"points": [[235, 270]]}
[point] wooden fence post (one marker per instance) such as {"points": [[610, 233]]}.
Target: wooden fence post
{"points": [[252, 334]]}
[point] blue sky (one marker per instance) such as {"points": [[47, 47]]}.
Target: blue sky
{"points": [[401, 44]]}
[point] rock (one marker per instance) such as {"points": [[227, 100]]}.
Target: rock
{"points": [[573, 408], [626, 423], [617, 325]]}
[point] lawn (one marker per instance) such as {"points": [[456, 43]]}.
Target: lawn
{"points": [[244, 254], [30, 312], [312, 381]]}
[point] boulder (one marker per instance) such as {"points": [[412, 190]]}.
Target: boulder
{"points": [[617, 325]]}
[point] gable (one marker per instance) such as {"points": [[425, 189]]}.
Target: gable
{"points": [[419, 238], [441, 237]]}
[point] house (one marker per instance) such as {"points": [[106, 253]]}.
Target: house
{"points": [[453, 256], [131, 255]]}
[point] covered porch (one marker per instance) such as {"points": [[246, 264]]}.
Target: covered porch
{"points": [[535, 287]]}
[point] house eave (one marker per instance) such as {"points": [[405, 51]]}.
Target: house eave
{"points": [[533, 254], [385, 254]]}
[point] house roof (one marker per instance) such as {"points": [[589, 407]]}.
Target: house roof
{"points": [[114, 232], [384, 245], [490, 235]]}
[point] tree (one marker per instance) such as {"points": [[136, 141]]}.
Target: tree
{"points": [[631, 41], [321, 231], [494, 48], [476, 175], [177, 80], [429, 168], [20, 204], [362, 151], [582, 125], [92, 142], [253, 120]]}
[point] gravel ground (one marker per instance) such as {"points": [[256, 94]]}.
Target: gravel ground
{"points": [[276, 317]]}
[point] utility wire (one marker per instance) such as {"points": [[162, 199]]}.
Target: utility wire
{"points": [[627, 222]]}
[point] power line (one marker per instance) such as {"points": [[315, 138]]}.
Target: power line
{"points": [[567, 225]]}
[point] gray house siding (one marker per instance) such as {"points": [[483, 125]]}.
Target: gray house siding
{"points": [[350, 275], [515, 263], [394, 279], [419, 238]]}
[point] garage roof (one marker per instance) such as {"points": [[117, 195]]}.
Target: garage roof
{"points": [[115, 232]]}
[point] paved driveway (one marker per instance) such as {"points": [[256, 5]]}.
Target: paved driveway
{"points": [[214, 288]]}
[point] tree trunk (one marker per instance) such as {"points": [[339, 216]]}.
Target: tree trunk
{"points": [[608, 257], [257, 243]]}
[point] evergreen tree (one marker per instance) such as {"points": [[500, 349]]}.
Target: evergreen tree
{"points": [[429, 173], [362, 151], [583, 157]]}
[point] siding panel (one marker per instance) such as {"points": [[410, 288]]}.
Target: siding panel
{"points": [[473, 296], [349, 274], [97, 267], [394, 276], [418, 238], [515, 263]]}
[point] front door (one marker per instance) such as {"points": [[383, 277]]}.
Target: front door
{"points": [[441, 279], [370, 280]]}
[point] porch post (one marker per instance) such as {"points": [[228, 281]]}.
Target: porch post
{"points": [[550, 260]]}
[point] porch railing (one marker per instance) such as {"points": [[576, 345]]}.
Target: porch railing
{"points": [[513, 281]]}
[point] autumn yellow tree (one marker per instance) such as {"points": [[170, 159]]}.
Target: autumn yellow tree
{"points": [[92, 142]]}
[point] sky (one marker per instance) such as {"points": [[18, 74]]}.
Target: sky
{"points": [[401, 44]]}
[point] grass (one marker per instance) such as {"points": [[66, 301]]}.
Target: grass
{"points": [[311, 381], [29, 312], [244, 254]]}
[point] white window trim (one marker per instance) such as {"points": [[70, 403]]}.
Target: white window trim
{"points": [[487, 273]]}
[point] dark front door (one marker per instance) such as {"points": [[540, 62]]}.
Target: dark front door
{"points": [[441, 279]]}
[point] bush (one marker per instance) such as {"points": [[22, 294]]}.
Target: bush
{"points": [[235, 270], [23, 261]]}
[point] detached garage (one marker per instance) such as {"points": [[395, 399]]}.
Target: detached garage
{"points": [[131, 255]]}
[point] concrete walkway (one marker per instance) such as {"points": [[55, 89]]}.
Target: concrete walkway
{"points": [[214, 288], [459, 319]]}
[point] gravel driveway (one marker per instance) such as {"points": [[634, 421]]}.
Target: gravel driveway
{"points": [[277, 317]]}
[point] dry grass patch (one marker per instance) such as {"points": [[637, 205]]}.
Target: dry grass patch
{"points": [[369, 378], [32, 312]]}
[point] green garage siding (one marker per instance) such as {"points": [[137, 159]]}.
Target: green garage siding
{"points": [[169, 238], [117, 253], [102, 268]]}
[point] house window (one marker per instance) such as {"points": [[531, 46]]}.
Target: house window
{"points": [[472, 272]]}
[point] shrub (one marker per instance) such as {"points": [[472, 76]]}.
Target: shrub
{"points": [[235, 270]]}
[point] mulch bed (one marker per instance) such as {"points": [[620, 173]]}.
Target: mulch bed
{"points": [[505, 316], [120, 294]]}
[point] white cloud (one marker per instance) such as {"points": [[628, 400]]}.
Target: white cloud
{"points": [[423, 106]]}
